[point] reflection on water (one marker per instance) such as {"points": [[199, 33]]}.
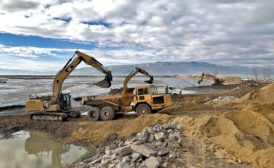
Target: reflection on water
{"points": [[27, 149]]}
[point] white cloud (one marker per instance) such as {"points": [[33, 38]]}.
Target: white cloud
{"points": [[37, 59], [27, 52], [192, 30]]}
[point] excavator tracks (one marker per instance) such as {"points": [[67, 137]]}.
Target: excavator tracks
{"points": [[53, 116], [42, 116]]}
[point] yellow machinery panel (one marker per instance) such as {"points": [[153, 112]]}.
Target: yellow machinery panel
{"points": [[34, 105], [168, 100]]}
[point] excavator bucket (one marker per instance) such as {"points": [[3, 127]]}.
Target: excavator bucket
{"points": [[105, 83], [150, 81]]}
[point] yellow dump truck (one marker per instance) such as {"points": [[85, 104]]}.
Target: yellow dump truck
{"points": [[142, 99]]}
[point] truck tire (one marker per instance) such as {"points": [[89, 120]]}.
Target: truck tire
{"points": [[107, 113], [94, 114], [174, 95], [75, 114], [143, 109]]}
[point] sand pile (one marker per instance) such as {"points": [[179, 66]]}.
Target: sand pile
{"points": [[263, 95], [231, 79], [247, 134], [105, 131]]}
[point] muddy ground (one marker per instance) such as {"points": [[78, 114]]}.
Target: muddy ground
{"points": [[191, 111]]}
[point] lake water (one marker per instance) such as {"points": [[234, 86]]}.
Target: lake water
{"points": [[16, 91], [33, 149]]}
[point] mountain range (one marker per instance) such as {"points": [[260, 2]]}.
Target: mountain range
{"points": [[171, 68]]}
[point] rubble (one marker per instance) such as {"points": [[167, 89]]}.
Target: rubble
{"points": [[222, 99], [159, 136], [143, 150], [6, 131], [156, 146], [152, 162]]}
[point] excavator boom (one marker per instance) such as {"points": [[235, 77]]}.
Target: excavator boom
{"points": [[71, 65], [132, 74]]}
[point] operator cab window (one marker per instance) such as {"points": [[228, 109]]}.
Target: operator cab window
{"points": [[142, 91]]}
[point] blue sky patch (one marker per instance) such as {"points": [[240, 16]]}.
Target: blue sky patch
{"points": [[67, 20], [42, 42], [99, 22]]}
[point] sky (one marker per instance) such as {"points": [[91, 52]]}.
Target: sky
{"points": [[41, 35]]}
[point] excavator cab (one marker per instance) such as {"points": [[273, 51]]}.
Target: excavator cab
{"points": [[65, 101]]}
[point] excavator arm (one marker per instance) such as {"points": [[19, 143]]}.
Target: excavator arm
{"points": [[70, 66], [216, 80], [201, 78], [132, 74]]}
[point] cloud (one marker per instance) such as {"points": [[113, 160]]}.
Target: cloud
{"points": [[14, 5], [52, 59], [223, 32], [30, 58], [26, 52]]}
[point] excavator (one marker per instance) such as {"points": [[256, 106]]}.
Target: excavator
{"points": [[129, 77], [132, 74], [143, 99], [57, 107], [216, 81]]}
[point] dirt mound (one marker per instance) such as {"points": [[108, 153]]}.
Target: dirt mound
{"points": [[247, 134], [98, 132], [263, 95], [231, 79]]}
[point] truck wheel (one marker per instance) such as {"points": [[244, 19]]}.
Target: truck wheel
{"points": [[107, 113], [174, 95], [75, 114], [94, 114], [143, 109]]}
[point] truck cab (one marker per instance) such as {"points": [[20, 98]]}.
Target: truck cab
{"points": [[149, 95]]}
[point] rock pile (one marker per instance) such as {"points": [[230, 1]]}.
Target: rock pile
{"points": [[222, 99], [6, 131], [156, 146]]}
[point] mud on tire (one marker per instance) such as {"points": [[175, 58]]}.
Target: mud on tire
{"points": [[143, 109], [107, 113], [75, 114], [93, 114]]}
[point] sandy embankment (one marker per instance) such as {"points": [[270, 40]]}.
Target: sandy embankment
{"points": [[246, 134]]}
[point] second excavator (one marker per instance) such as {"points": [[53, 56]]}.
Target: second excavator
{"points": [[57, 107], [216, 81]]}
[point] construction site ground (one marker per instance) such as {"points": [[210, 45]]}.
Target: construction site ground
{"points": [[218, 132]]}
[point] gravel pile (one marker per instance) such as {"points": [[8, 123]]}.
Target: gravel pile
{"points": [[156, 146], [222, 99]]}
